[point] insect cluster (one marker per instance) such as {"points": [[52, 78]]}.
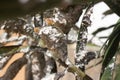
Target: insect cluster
{"points": [[43, 38]]}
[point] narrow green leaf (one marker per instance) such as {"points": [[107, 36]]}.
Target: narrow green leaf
{"points": [[107, 75], [8, 49], [108, 12], [111, 47], [102, 29], [111, 50]]}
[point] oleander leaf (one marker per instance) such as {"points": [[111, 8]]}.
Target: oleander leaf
{"points": [[107, 75], [108, 12], [112, 45], [4, 50], [102, 29]]}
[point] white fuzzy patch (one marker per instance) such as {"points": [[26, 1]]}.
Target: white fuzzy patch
{"points": [[3, 60], [80, 55], [58, 17], [67, 61], [35, 68], [3, 37], [38, 16], [48, 53], [72, 35], [25, 49], [111, 65], [48, 69], [52, 33], [49, 77], [3, 26]]}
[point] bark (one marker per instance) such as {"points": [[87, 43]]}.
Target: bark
{"points": [[14, 68]]}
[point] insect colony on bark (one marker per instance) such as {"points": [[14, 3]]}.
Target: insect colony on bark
{"points": [[46, 37]]}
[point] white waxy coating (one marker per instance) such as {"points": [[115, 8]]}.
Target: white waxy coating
{"points": [[52, 32]]}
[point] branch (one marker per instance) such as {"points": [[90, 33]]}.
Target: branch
{"points": [[72, 68], [4, 60], [14, 68]]}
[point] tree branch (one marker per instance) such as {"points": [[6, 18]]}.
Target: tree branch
{"points": [[13, 69]]}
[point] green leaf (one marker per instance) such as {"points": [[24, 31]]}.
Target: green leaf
{"points": [[117, 76], [111, 47], [4, 50], [113, 43], [102, 29], [108, 12], [107, 75]]}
